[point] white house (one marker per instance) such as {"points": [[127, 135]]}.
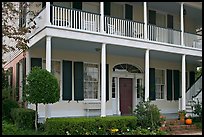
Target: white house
{"points": [[106, 55]]}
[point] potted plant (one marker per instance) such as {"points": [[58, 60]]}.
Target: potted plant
{"points": [[182, 114], [163, 120]]}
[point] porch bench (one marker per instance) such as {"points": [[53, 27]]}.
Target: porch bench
{"points": [[89, 106]]}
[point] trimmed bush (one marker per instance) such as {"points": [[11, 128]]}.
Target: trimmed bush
{"points": [[7, 105], [88, 126], [23, 118]]}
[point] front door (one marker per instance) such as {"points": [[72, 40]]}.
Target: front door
{"points": [[125, 89]]}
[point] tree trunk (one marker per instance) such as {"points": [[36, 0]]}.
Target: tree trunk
{"points": [[36, 117]]}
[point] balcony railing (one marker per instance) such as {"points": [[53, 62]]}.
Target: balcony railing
{"points": [[82, 20], [165, 35], [122, 27]]}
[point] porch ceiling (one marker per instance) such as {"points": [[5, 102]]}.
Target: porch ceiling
{"points": [[91, 47]]}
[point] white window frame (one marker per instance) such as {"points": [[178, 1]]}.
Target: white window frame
{"points": [[98, 96], [164, 91]]}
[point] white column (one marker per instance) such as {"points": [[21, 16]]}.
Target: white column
{"points": [[145, 20], [103, 80], [47, 13], [147, 75], [48, 68], [28, 64], [102, 17], [183, 88], [182, 26]]}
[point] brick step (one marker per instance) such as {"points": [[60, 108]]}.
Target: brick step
{"points": [[186, 132], [181, 127]]}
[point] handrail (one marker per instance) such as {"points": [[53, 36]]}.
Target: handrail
{"points": [[197, 93], [194, 82], [74, 9], [124, 19]]}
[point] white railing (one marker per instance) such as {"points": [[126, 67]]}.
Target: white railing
{"points": [[160, 34], [194, 89], [76, 19], [193, 40], [121, 27]]}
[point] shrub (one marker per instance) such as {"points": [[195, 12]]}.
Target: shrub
{"points": [[148, 115], [198, 108], [88, 126], [7, 105], [8, 128], [23, 118]]}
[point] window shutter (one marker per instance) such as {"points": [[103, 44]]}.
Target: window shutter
{"points": [[107, 82], [36, 62], [107, 8], [17, 81], [170, 20], [128, 11], [78, 81], [24, 72], [169, 84], [67, 80], [152, 17], [192, 78], [77, 5], [176, 84], [152, 84]]}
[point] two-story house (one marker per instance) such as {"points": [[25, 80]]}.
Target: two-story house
{"points": [[107, 56]]}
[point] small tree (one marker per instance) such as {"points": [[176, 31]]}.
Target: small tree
{"points": [[41, 87]]}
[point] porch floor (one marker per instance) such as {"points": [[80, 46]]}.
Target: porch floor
{"points": [[171, 115]]}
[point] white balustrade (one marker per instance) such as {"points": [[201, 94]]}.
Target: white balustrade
{"points": [[193, 40]]}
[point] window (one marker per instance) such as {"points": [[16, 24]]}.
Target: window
{"points": [[22, 15], [126, 68], [55, 69], [139, 88], [113, 87], [160, 83], [91, 81]]}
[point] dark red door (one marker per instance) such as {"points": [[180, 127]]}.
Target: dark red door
{"points": [[125, 87]]}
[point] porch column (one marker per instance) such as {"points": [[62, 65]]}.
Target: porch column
{"points": [[182, 26], [183, 88], [47, 13], [48, 68], [28, 64], [102, 17], [145, 20], [103, 80], [146, 74]]}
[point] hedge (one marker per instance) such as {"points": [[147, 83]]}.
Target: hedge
{"points": [[7, 105], [23, 118], [89, 126]]}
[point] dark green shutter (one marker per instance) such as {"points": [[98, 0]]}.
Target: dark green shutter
{"points": [[78, 81], [36, 62], [67, 80], [107, 8], [192, 78], [128, 11], [77, 5], [176, 84], [152, 17], [169, 84], [23, 73], [152, 84], [17, 81], [170, 20], [107, 82]]}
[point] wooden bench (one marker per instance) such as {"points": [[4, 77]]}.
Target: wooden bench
{"points": [[88, 106]]}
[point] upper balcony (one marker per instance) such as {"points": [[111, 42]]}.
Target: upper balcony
{"points": [[163, 21]]}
